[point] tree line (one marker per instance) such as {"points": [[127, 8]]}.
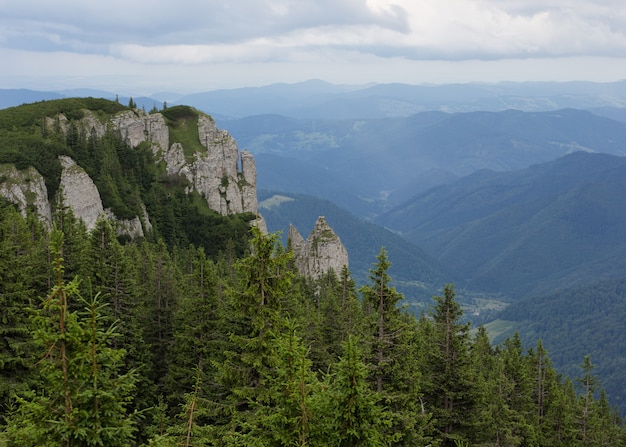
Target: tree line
{"points": [[140, 343]]}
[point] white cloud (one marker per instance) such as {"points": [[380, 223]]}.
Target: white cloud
{"points": [[330, 39]]}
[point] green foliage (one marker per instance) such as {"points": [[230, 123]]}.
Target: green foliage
{"points": [[22, 276], [83, 398], [183, 127], [28, 115], [177, 349], [356, 416]]}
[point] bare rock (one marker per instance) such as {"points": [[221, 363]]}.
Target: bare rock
{"points": [[320, 252], [26, 188], [80, 193]]}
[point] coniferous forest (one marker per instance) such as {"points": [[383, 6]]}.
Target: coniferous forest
{"points": [[204, 334], [109, 343]]}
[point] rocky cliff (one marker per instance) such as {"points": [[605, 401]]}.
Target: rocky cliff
{"points": [[320, 252], [215, 168], [222, 174], [27, 189]]}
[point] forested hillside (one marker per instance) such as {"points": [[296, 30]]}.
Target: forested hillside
{"points": [[126, 177], [526, 232], [116, 344], [202, 332], [590, 318]]}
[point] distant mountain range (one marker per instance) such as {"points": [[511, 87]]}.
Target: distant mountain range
{"points": [[322, 100], [368, 166], [527, 232]]}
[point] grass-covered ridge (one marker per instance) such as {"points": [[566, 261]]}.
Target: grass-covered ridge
{"points": [[29, 115], [182, 122]]}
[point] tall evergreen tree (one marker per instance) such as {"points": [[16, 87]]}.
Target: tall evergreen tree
{"points": [[354, 416], [22, 276], [255, 319], [394, 357], [449, 389], [381, 300], [83, 397]]}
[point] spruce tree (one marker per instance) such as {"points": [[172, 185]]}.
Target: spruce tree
{"points": [[83, 396], [352, 411], [449, 388], [254, 321], [22, 276], [394, 358]]}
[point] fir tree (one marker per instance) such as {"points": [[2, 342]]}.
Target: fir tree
{"points": [[22, 275], [353, 411], [83, 397], [449, 390]]}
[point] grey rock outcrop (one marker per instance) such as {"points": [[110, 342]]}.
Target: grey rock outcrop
{"points": [[320, 252], [79, 192], [26, 188], [221, 174], [225, 177]]}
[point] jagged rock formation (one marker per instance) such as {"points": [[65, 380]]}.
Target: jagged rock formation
{"points": [[26, 188], [320, 252], [225, 177], [79, 193], [216, 169]]}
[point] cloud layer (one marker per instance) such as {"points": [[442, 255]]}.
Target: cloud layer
{"points": [[192, 33]]}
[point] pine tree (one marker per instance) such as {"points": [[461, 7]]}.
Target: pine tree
{"points": [[352, 411], [198, 335], [283, 410], [382, 301], [23, 273], [449, 389], [394, 358], [83, 397], [334, 314], [254, 320]]}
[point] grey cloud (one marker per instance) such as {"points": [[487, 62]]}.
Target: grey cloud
{"points": [[153, 22]]}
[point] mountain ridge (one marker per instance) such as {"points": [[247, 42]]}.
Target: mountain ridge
{"points": [[319, 99], [503, 231]]}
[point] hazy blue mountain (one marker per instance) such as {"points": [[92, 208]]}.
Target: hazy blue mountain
{"points": [[319, 99], [385, 161], [16, 97], [415, 273], [525, 232]]}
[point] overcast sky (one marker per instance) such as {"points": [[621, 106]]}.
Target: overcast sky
{"points": [[145, 46]]}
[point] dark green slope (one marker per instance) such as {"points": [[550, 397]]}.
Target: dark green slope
{"points": [[529, 231], [414, 272], [576, 322]]}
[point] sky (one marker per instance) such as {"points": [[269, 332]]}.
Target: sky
{"points": [[140, 47]]}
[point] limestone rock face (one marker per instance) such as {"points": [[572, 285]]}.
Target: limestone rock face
{"points": [[320, 252], [136, 126], [222, 175], [80, 193], [26, 188], [216, 175]]}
